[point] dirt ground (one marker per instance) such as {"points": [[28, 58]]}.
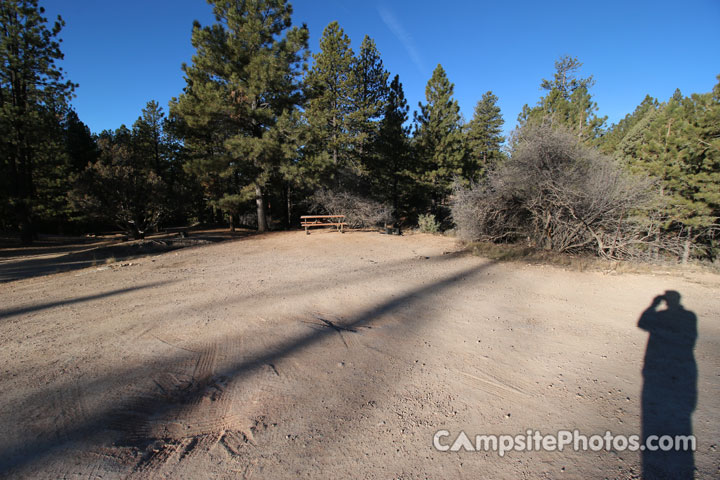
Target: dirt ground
{"points": [[332, 356], [54, 254]]}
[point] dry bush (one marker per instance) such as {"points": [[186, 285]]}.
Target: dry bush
{"points": [[248, 220], [560, 195], [359, 212]]}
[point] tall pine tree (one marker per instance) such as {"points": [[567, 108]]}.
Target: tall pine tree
{"points": [[70, 152], [567, 102], [149, 132], [484, 136], [678, 144], [33, 96], [391, 168], [439, 139], [157, 148], [329, 91], [79, 143], [618, 132], [368, 96], [245, 73]]}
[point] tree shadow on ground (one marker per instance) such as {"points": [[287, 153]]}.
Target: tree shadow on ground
{"points": [[12, 312], [669, 393], [22, 453], [34, 262]]}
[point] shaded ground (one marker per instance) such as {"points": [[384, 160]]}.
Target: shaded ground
{"points": [[55, 254], [331, 356]]}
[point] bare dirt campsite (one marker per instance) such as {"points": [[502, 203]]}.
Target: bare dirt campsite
{"points": [[330, 355]]}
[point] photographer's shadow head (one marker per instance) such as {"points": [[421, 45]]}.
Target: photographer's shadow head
{"points": [[669, 394]]}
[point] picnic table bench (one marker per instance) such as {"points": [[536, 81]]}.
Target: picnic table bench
{"points": [[181, 231], [308, 221]]}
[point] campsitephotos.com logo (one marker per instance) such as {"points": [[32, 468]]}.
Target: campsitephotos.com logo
{"points": [[534, 440]]}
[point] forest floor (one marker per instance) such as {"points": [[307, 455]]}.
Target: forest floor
{"points": [[332, 356]]}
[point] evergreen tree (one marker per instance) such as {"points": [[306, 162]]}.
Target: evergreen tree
{"points": [[50, 174], [617, 133], [391, 169], [368, 96], [121, 188], [678, 145], [80, 144], [186, 198], [484, 136], [244, 75], [156, 147], [568, 102], [33, 95], [439, 138], [329, 85], [298, 175], [69, 149], [148, 130]]}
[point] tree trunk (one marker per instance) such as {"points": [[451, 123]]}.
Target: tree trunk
{"points": [[137, 234], [23, 187], [656, 247], [260, 201], [289, 207], [396, 201], [24, 222], [547, 240], [686, 248]]}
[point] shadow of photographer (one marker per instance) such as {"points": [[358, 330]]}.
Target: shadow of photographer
{"points": [[669, 393]]}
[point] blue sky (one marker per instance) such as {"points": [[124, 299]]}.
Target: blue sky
{"points": [[124, 54]]}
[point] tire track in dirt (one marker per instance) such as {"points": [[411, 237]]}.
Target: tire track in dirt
{"points": [[184, 415], [63, 411], [193, 410]]}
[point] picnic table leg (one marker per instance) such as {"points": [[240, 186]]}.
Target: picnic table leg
{"points": [[306, 230]]}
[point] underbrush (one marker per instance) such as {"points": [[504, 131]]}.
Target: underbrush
{"points": [[520, 253]]}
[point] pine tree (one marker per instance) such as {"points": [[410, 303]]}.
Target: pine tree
{"points": [[245, 74], [33, 95], [568, 102], [439, 138], [156, 148], [80, 144], [298, 176], [484, 136], [618, 132], [677, 144], [149, 134], [70, 148], [121, 188], [391, 168], [329, 85], [368, 96]]}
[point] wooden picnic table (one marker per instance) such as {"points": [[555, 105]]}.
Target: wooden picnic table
{"points": [[308, 221]]}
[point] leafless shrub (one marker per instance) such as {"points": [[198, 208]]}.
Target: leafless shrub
{"points": [[248, 220], [359, 212], [558, 194]]}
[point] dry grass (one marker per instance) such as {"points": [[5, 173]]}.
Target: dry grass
{"points": [[581, 263]]}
